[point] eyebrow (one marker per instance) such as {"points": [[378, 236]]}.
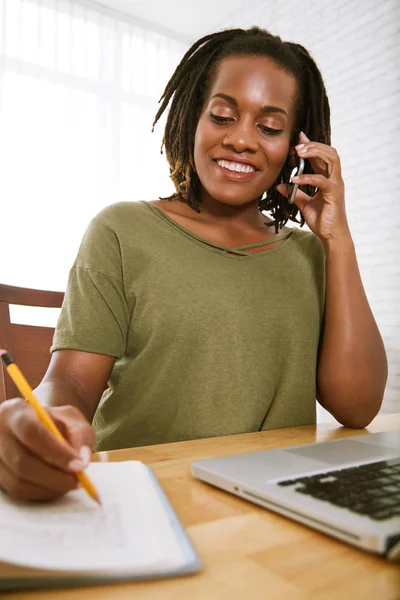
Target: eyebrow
{"points": [[265, 109]]}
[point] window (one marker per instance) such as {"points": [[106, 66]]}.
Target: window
{"points": [[78, 94]]}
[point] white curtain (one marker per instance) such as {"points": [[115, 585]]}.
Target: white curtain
{"points": [[78, 93]]}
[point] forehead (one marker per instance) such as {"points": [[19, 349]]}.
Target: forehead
{"points": [[254, 78]]}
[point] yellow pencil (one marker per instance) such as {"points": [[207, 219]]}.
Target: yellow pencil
{"points": [[43, 415]]}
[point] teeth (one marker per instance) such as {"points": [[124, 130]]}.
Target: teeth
{"points": [[234, 166]]}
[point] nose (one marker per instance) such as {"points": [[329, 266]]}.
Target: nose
{"points": [[241, 137]]}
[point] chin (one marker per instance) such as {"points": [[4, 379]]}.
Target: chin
{"points": [[233, 193], [232, 199]]}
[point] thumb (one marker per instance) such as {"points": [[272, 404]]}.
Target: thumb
{"points": [[301, 198], [76, 429]]}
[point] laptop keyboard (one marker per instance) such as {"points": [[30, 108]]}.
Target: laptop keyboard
{"points": [[372, 490]]}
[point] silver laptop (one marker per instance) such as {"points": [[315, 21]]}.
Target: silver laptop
{"points": [[348, 488]]}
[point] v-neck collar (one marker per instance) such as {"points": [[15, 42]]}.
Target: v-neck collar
{"points": [[238, 253]]}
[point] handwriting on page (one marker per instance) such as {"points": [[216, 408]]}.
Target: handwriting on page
{"points": [[81, 524], [128, 531], [73, 532]]}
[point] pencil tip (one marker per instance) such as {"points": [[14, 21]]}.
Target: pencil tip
{"points": [[96, 497]]}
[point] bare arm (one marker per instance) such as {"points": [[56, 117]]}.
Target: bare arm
{"points": [[75, 378], [352, 368], [34, 464]]}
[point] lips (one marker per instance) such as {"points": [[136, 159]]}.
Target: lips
{"points": [[232, 175], [235, 159]]}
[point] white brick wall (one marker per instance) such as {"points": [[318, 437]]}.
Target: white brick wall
{"points": [[357, 47]]}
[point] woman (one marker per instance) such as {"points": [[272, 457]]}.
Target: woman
{"points": [[204, 316]]}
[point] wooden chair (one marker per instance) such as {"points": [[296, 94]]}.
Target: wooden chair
{"points": [[29, 345]]}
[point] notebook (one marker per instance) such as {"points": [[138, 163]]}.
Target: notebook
{"points": [[73, 541], [348, 488]]}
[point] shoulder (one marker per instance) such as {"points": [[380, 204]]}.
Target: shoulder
{"points": [[310, 250], [114, 228], [110, 236], [308, 241], [121, 220], [120, 213]]}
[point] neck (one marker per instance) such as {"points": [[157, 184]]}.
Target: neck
{"points": [[241, 215]]}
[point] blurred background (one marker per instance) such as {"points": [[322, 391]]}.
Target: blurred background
{"points": [[79, 86]]}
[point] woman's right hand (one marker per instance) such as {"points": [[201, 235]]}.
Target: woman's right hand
{"points": [[34, 464]]}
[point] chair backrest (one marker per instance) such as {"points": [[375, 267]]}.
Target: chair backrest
{"points": [[29, 345]]}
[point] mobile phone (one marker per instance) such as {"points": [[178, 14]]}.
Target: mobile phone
{"points": [[294, 186]]}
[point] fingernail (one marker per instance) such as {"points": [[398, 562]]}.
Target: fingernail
{"points": [[304, 135], [75, 465], [299, 146], [295, 178], [86, 454]]}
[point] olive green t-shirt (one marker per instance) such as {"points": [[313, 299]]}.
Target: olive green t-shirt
{"points": [[207, 342]]}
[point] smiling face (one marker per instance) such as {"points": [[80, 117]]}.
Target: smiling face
{"points": [[244, 130]]}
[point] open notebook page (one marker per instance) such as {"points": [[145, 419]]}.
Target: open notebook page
{"points": [[129, 533]]}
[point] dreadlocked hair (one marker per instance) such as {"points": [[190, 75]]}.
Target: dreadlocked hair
{"points": [[187, 90]]}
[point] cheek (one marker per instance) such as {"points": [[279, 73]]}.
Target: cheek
{"points": [[279, 151], [198, 141], [202, 134], [202, 142]]}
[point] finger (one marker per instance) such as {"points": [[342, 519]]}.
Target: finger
{"points": [[25, 426], [317, 163], [322, 158], [315, 180], [27, 467], [305, 141], [23, 490], [303, 138], [301, 198], [77, 430]]}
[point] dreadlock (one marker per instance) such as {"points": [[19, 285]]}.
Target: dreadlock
{"points": [[190, 83]]}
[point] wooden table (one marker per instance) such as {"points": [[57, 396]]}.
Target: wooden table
{"points": [[248, 552]]}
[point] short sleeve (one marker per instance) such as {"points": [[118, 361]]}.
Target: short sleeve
{"points": [[94, 316]]}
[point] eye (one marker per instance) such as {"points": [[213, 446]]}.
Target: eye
{"points": [[269, 130], [221, 120]]}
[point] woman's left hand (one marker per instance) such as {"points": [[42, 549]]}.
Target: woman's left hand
{"points": [[325, 212]]}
